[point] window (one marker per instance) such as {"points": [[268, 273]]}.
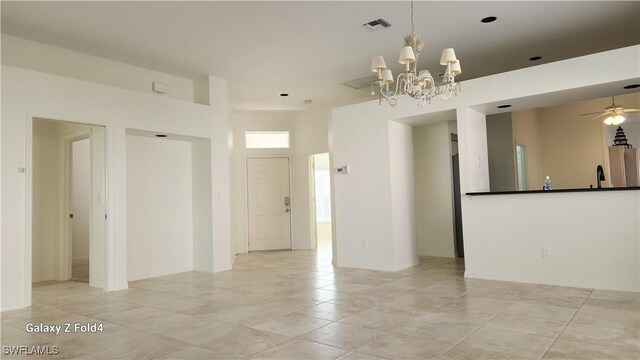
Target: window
{"points": [[323, 195], [266, 139], [521, 165]]}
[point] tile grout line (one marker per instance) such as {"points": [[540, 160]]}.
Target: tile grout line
{"points": [[567, 324], [293, 338], [486, 322]]}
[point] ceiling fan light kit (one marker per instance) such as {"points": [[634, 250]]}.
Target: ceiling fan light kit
{"points": [[614, 120], [419, 85], [614, 113]]}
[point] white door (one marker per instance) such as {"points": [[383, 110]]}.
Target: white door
{"points": [[269, 204]]}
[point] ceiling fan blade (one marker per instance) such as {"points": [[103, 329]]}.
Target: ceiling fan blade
{"points": [[593, 113], [631, 110], [597, 116]]}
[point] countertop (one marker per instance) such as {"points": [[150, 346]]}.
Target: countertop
{"points": [[554, 191]]}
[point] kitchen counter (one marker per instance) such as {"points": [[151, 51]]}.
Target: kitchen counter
{"points": [[554, 191]]}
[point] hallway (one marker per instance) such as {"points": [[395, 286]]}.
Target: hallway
{"points": [[296, 305]]}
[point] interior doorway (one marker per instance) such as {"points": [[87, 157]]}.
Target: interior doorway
{"points": [[457, 200], [320, 194], [269, 203], [68, 207]]}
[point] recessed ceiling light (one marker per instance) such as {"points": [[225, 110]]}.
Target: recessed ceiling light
{"points": [[161, 135], [489, 19], [535, 58], [284, 94], [504, 106], [632, 86]]}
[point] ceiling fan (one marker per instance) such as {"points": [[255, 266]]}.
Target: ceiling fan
{"points": [[614, 113]]}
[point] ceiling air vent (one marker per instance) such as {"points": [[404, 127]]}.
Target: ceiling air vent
{"points": [[360, 83], [376, 25]]}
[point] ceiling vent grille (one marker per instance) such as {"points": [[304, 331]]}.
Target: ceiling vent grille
{"points": [[376, 25], [360, 83]]}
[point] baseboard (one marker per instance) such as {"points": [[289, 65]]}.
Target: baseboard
{"points": [[553, 281], [161, 272], [41, 277], [118, 287], [438, 254], [13, 307]]}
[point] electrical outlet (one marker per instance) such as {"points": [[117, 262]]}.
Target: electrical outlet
{"points": [[546, 254], [365, 244]]}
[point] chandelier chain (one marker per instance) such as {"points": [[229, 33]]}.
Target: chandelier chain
{"points": [[413, 31]]}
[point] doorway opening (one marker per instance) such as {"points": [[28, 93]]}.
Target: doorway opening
{"points": [[269, 203], [68, 217], [457, 201], [320, 178], [438, 217]]}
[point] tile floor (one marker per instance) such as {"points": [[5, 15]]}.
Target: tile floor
{"points": [[80, 270], [296, 305]]}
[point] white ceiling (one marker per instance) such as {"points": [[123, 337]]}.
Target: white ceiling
{"points": [[307, 49]]}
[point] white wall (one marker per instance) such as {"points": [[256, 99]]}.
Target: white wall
{"points": [[434, 201], [312, 128], [159, 204], [403, 210], [593, 238], [472, 144], [362, 226], [27, 93], [81, 198], [218, 135], [54, 60], [358, 133], [201, 192]]}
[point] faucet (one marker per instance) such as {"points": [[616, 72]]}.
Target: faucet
{"points": [[599, 176]]}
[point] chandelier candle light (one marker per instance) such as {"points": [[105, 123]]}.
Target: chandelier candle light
{"points": [[419, 85]]}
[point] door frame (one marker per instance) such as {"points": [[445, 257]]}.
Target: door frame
{"points": [[313, 226], [28, 254], [65, 256], [246, 195]]}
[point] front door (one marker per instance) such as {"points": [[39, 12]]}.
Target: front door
{"points": [[269, 207]]}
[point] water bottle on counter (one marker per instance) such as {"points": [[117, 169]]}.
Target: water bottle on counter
{"points": [[547, 183]]}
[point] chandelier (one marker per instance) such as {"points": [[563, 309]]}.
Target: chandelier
{"points": [[420, 85]]}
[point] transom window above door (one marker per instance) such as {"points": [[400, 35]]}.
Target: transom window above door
{"points": [[266, 139]]}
